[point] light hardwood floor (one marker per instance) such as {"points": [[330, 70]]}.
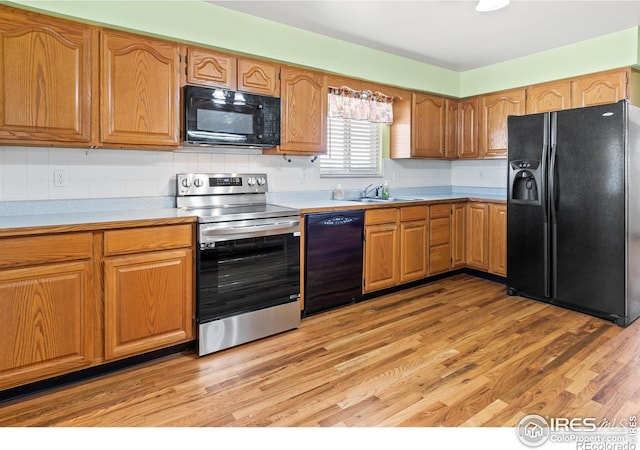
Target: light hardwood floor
{"points": [[456, 352]]}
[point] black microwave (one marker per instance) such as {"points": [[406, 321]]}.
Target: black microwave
{"points": [[223, 117]]}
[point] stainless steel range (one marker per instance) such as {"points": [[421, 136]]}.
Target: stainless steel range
{"points": [[248, 259]]}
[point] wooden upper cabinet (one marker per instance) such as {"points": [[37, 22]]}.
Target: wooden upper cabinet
{"points": [[210, 68], [304, 96], [451, 129], [427, 126], [207, 67], [494, 110], [549, 97], [468, 121], [258, 77], [140, 91], [422, 125], [48, 78], [600, 88]]}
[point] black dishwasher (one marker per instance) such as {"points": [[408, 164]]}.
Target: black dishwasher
{"points": [[333, 259]]}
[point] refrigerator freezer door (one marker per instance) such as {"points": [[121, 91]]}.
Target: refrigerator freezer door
{"points": [[588, 227], [527, 224]]}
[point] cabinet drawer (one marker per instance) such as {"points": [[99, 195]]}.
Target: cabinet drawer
{"points": [[147, 239], [377, 216], [23, 251], [439, 231], [439, 210], [413, 213]]}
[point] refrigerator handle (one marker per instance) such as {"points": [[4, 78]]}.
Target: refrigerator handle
{"points": [[545, 161], [545, 205], [552, 170], [553, 204]]}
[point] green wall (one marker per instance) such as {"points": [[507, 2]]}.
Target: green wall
{"points": [[203, 23], [594, 55]]}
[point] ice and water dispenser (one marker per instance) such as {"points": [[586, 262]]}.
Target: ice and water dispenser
{"points": [[525, 182]]}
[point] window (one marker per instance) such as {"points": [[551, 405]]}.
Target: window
{"points": [[354, 148], [354, 132]]}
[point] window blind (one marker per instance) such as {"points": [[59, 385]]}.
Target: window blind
{"points": [[354, 148]]}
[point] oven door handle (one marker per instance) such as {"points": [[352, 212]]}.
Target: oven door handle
{"points": [[224, 232]]}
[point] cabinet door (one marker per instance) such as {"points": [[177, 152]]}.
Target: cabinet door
{"points": [[48, 78], [608, 87], [451, 129], [304, 97], [493, 123], [381, 257], [458, 235], [498, 239], [428, 126], [413, 250], [258, 77], [148, 301], [209, 68], [478, 235], [46, 321], [468, 122], [549, 97], [140, 91]]}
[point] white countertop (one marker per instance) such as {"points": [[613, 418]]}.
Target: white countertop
{"points": [[113, 216], [83, 218], [303, 204]]}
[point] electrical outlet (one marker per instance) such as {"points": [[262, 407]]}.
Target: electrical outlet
{"points": [[60, 178], [481, 175]]}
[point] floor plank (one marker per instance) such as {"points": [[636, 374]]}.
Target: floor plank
{"points": [[455, 352]]}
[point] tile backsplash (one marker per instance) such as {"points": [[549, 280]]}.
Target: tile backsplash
{"points": [[27, 173]]}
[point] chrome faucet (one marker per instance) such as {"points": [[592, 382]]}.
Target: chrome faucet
{"points": [[372, 187]]}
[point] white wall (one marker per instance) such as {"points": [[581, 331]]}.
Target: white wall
{"points": [[26, 173], [486, 173]]}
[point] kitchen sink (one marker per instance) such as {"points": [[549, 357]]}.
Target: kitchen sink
{"points": [[384, 200]]}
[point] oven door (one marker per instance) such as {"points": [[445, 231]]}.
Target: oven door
{"points": [[246, 274]]}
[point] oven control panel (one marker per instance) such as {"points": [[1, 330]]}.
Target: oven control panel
{"points": [[220, 183]]}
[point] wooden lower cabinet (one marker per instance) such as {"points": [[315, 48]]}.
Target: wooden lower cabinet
{"points": [[439, 238], [413, 243], [147, 302], [498, 239], [458, 235], [477, 245], [381, 249], [46, 308], [52, 317], [148, 292]]}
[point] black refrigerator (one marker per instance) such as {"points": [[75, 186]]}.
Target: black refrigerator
{"points": [[573, 209]]}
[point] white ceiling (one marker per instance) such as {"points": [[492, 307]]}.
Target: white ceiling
{"points": [[451, 33]]}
